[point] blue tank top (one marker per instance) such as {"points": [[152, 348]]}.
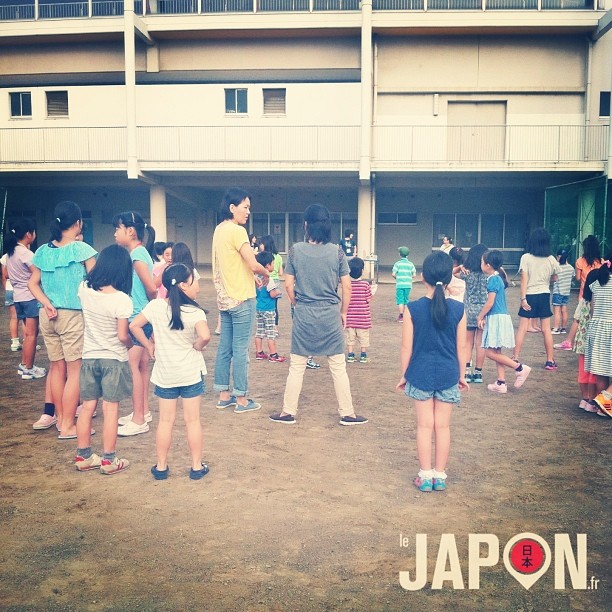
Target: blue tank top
{"points": [[434, 365]]}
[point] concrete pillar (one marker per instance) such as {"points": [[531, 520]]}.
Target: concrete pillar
{"points": [[366, 90], [364, 221], [157, 203], [129, 44]]}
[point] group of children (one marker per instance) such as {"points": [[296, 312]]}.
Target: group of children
{"points": [[105, 316]]}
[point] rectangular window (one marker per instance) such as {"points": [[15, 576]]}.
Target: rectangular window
{"points": [[604, 103], [57, 104], [236, 101], [404, 218], [274, 101], [21, 104]]}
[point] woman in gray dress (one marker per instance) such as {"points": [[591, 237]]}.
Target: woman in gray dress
{"points": [[311, 279]]}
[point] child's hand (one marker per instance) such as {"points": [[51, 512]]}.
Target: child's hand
{"points": [[401, 385], [463, 386], [51, 312], [374, 288], [480, 323], [151, 350]]}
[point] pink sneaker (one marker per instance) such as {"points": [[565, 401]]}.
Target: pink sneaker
{"points": [[45, 422], [278, 358], [588, 407], [521, 376], [498, 388], [566, 345]]}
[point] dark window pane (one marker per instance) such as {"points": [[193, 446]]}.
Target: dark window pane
{"points": [[407, 218], [516, 231], [230, 100], [241, 101], [492, 231], [443, 225], [467, 231], [387, 218], [26, 104], [604, 103], [15, 105]]}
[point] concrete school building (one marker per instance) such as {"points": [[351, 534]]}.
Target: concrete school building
{"points": [[408, 119]]}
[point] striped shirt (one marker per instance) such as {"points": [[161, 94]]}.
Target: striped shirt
{"points": [[101, 311], [563, 284], [358, 315], [403, 271]]}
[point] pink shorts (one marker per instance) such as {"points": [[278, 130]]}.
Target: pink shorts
{"points": [[585, 377]]}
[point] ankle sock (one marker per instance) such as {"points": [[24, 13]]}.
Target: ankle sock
{"points": [[441, 475], [109, 456], [519, 368], [49, 409], [501, 382], [14, 341], [84, 452], [479, 370], [426, 474]]}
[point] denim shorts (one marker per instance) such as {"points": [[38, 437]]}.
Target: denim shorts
{"points": [[451, 395], [560, 300], [187, 392], [8, 298], [147, 329], [27, 310]]}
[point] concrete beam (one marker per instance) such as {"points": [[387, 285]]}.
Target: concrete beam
{"points": [[603, 26]]}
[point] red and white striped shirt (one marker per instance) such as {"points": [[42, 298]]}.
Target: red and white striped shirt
{"points": [[358, 315]]}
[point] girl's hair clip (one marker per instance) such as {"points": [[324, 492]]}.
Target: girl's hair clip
{"points": [[439, 283], [607, 262], [145, 226], [58, 219], [14, 232], [173, 282]]}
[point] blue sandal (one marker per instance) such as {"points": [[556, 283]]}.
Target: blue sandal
{"points": [[159, 474], [227, 403]]}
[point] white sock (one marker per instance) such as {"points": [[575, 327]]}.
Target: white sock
{"points": [[14, 340], [439, 475], [426, 474]]}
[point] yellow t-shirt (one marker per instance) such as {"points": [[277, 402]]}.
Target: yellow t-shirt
{"points": [[232, 276]]}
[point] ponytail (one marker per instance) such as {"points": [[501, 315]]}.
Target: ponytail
{"points": [[134, 219], [18, 231], [172, 276], [495, 259], [437, 273], [65, 215], [603, 273]]}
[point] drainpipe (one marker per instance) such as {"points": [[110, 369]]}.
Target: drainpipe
{"points": [[129, 42], [366, 90], [587, 98]]}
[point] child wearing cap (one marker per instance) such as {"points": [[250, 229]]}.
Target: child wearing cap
{"points": [[403, 272], [562, 288]]}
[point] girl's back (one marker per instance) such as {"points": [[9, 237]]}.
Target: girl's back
{"points": [[602, 300]]}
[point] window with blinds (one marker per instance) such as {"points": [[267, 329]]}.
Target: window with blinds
{"points": [[274, 101], [57, 104], [21, 104]]}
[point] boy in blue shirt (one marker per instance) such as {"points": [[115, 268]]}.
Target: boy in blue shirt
{"points": [[403, 273], [266, 312]]}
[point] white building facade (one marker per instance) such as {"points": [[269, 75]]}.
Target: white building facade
{"points": [[409, 119]]}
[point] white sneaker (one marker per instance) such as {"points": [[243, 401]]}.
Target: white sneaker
{"points": [[497, 388], [45, 421], [33, 372], [128, 418], [15, 347], [131, 429]]}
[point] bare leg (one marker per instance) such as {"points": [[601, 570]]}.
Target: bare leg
{"points": [[70, 397], [557, 317], [83, 426], [28, 351], [520, 335], [442, 417], [548, 339], [109, 433], [480, 351], [425, 428], [167, 416], [195, 438], [136, 357], [258, 344], [13, 323], [57, 375]]}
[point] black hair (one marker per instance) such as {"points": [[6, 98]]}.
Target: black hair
{"points": [[134, 219], [65, 215], [356, 265], [474, 257], [159, 248], [437, 272], [603, 273], [317, 224], [456, 255], [269, 244], [251, 236], [562, 254], [264, 258], [539, 243], [182, 254], [172, 276], [448, 238], [113, 268], [590, 249], [234, 195], [592, 276], [18, 231], [495, 259], [347, 233]]}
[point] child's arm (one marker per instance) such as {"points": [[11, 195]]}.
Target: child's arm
{"points": [[136, 328], [203, 334], [524, 279], [38, 293], [89, 264], [406, 348], [485, 309], [146, 278], [123, 333], [463, 351], [4, 276]]}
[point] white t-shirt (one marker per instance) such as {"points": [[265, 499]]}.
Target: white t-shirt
{"points": [[100, 314], [539, 270], [177, 363], [3, 260]]}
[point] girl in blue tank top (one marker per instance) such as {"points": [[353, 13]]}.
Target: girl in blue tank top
{"points": [[434, 349]]}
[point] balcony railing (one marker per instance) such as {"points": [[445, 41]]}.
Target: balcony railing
{"points": [[27, 9], [311, 147]]}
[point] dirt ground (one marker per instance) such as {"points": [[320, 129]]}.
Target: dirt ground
{"points": [[307, 517]]}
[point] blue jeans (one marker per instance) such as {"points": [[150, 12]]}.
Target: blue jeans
{"points": [[236, 332]]}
